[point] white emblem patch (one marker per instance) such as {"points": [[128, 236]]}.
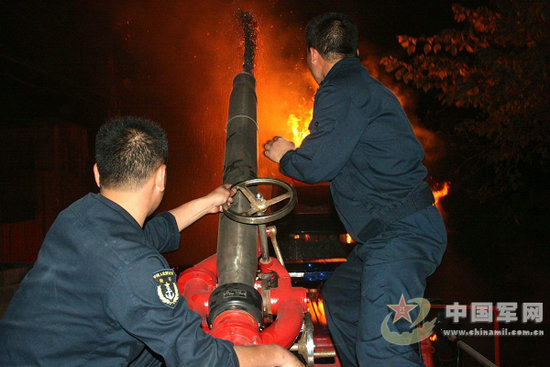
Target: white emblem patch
{"points": [[167, 289]]}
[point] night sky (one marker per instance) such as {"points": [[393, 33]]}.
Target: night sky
{"points": [[173, 62]]}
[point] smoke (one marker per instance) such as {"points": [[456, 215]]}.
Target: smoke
{"points": [[249, 26]]}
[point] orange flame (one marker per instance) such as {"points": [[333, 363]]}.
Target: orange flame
{"points": [[346, 238], [317, 311], [441, 193], [299, 126]]}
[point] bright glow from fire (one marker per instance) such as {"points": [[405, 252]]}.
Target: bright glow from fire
{"points": [[317, 311], [299, 125], [346, 238], [332, 260], [441, 192]]}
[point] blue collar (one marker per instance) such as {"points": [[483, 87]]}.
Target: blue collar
{"points": [[343, 64]]}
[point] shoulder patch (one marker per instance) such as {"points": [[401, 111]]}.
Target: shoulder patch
{"points": [[167, 288]]}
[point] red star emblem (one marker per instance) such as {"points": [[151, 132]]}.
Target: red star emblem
{"points": [[402, 310]]}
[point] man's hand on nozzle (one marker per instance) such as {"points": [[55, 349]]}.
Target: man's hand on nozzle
{"points": [[277, 147], [221, 196]]}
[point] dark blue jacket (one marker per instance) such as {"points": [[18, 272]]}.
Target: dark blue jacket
{"points": [[94, 298], [362, 142]]}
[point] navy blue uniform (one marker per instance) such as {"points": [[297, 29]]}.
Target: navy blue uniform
{"points": [[100, 293], [362, 143]]}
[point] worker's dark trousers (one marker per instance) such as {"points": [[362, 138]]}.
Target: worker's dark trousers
{"points": [[394, 263], [147, 359]]}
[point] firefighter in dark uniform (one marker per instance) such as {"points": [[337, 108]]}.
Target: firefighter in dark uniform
{"points": [[362, 143], [100, 292]]}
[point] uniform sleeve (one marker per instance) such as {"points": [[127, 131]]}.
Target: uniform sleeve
{"points": [[162, 232], [335, 130], [140, 300]]}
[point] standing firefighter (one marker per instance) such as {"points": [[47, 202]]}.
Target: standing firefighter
{"points": [[101, 293], [362, 143]]}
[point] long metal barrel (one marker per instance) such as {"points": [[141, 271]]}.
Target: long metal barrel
{"points": [[237, 243]]}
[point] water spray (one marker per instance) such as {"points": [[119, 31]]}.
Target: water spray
{"points": [[249, 26]]}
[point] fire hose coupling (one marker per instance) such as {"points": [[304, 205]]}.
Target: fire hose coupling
{"points": [[235, 296]]}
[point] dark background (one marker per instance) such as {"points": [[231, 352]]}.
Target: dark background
{"points": [[67, 66]]}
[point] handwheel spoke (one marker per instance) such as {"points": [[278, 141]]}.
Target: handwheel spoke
{"points": [[258, 205], [278, 199], [252, 211], [249, 194]]}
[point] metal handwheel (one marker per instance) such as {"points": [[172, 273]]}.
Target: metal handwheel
{"points": [[259, 205]]}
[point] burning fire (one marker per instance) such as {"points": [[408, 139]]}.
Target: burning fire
{"points": [[317, 311], [299, 125], [441, 193]]}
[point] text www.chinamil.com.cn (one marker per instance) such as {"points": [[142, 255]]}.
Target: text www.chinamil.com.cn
{"points": [[490, 332]]}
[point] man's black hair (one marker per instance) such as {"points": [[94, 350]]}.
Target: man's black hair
{"points": [[334, 35], [128, 150]]}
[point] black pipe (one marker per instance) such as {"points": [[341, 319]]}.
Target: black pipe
{"points": [[237, 259]]}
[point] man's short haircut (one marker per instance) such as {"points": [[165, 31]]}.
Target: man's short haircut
{"points": [[128, 150], [334, 35]]}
